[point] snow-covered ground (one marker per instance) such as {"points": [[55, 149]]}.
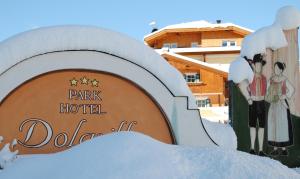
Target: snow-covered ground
{"points": [[297, 170], [215, 114], [133, 155], [215, 121]]}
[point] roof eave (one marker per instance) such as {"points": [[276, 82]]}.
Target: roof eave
{"points": [[241, 31], [222, 73]]}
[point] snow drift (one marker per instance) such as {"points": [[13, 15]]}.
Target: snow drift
{"points": [[222, 134], [133, 155]]}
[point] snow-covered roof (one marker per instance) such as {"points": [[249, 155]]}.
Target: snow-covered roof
{"points": [[202, 49], [202, 24], [72, 37], [224, 68]]}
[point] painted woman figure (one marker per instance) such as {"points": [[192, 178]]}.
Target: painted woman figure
{"points": [[280, 133]]}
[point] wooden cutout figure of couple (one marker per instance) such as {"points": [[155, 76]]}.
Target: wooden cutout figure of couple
{"points": [[277, 119]]}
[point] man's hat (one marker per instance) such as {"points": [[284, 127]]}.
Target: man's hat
{"points": [[258, 58]]}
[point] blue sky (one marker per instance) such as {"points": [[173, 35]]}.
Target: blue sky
{"points": [[133, 16]]}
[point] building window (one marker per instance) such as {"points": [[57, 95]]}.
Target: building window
{"points": [[194, 44], [173, 45], [224, 43], [192, 77], [170, 45], [166, 45], [232, 43], [205, 102], [227, 43]]}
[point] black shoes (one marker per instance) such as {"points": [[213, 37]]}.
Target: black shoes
{"points": [[262, 154], [274, 152], [252, 152], [284, 152], [281, 153]]}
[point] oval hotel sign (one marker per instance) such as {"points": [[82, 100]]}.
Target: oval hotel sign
{"points": [[57, 96], [60, 109]]}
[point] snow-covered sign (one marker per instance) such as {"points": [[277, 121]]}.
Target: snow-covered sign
{"points": [[265, 104], [63, 85]]}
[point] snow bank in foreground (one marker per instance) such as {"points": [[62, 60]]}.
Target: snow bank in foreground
{"points": [[60, 38], [132, 155], [297, 170], [222, 134]]}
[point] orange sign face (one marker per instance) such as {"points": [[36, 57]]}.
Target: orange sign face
{"points": [[58, 110]]}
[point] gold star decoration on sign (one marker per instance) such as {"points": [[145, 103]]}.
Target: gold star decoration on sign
{"points": [[84, 81], [95, 83], [73, 82]]}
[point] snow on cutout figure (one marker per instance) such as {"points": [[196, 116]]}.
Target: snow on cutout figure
{"points": [[278, 43], [257, 91], [6, 154], [280, 132]]}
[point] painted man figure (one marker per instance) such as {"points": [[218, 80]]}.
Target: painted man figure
{"points": [[257, 111]]}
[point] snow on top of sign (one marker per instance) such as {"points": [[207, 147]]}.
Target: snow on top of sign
{"points": [[240, 70], [198, 25], [60, 38], [264, 38], [133, 156], [288, 17]]}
